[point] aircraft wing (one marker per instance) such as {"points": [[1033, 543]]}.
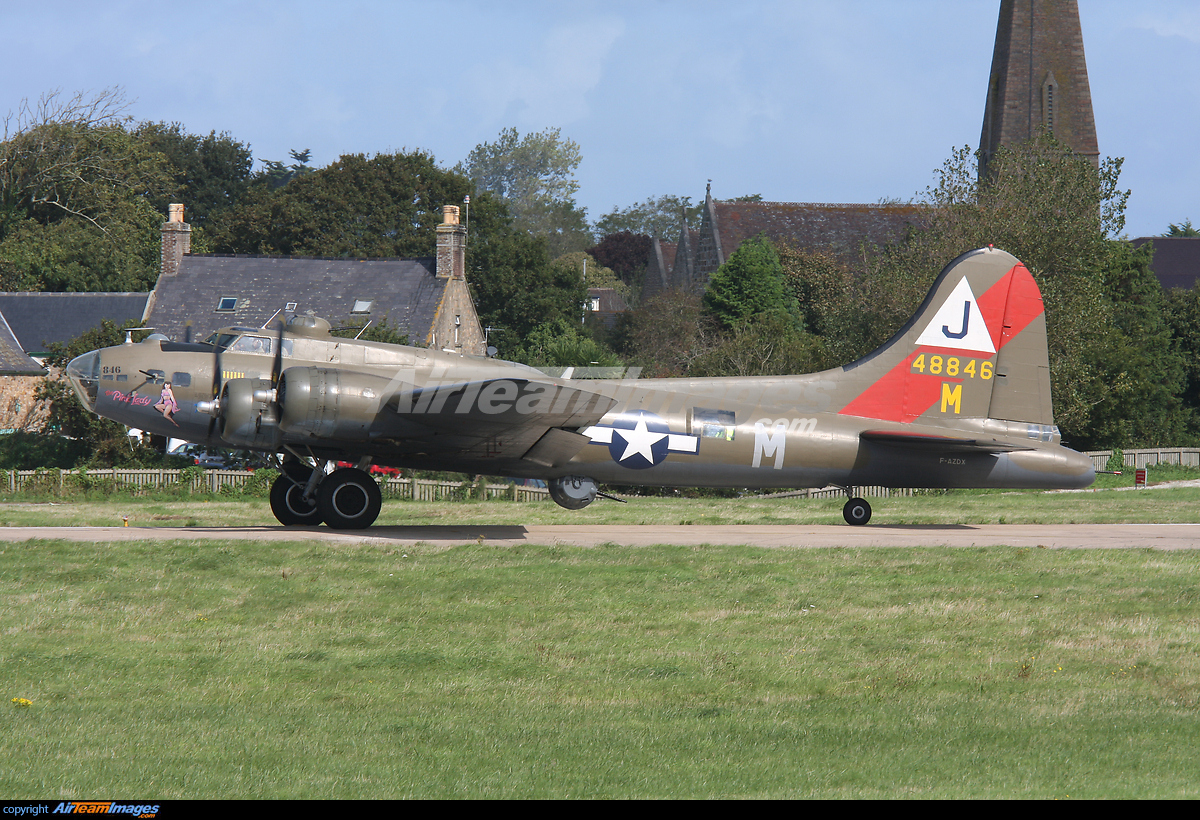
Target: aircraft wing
{"points": [[933, 443], [503, 420]]}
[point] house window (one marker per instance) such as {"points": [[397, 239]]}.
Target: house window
{"points": [[362, 305], [227, 303]]}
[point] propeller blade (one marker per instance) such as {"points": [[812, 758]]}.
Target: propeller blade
{"points": [[216, 387], [277, 367]]}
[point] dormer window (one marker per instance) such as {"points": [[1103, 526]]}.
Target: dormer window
{"points": [[227, 304], [362, 305]]}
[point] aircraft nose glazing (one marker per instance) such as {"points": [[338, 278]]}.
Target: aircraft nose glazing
{"points": [[84, 373]]}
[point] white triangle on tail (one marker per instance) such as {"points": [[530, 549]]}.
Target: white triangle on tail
{"points": [[958, 324]]}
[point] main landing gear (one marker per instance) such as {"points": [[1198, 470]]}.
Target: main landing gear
{"points": [[346, 499], [857, 511]]}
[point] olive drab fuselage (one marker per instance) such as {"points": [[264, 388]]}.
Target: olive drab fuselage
{"points": [[960, 397]]}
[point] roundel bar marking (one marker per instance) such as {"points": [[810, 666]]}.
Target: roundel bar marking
{"points": [[1007, 308], [639, 439]]}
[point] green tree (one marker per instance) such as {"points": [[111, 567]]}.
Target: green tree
{"points": [[1181, 309], [516, 288], [278, 174], [386, 205], [664, 335], [534, 176], [1183, 229], [771, 344], [820, 284], [76, 193], [563, 343], [748, 284], [594, 274], [657, 216], [209, 174], [1144, 371]]}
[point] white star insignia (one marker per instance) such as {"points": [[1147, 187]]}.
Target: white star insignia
{"points": [[639, 441]]}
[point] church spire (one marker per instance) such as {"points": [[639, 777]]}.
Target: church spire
{"points": [[1039, 79]]}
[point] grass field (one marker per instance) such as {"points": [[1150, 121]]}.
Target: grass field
{"points": [[1113, 501], [303, 670]]}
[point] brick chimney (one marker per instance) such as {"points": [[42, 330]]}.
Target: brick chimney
{"points": [[176, 240], [451, 245]]}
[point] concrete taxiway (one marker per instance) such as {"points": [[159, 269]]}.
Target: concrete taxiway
{"points": [[1070, 536]]}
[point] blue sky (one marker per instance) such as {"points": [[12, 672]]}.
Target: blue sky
{"points": [[800, 100]]}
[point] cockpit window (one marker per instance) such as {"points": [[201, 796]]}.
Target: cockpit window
{"points": [[251, 344], [247, 343], [84, 372]]}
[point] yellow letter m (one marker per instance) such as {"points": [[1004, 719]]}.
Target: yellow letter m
{"points": [[952, 397]]}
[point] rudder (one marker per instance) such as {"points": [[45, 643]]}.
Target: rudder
{"points": [[975, 348]]}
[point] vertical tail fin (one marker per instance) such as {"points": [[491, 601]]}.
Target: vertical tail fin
{"points": [[976, 348]]}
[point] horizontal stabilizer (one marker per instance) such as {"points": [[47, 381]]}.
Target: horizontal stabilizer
{"points": [[934, 443]]}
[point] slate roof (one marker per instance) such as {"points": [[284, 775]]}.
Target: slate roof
{"points": [[404, 292], [1176, 260], [837, 228], [37, 319], [13, 361]]}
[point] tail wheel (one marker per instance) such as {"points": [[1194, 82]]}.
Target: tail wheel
{"points": [[287, 498], [349, 499], [856, 512]]}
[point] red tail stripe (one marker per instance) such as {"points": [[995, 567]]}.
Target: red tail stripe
{"points": [[900, 395]]}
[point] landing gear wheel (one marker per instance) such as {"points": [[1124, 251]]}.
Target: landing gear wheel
{"points": [[856, 512], [349, 499], [287, 497]]}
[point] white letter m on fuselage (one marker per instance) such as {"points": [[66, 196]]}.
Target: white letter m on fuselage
{"points": [[767, 444]]}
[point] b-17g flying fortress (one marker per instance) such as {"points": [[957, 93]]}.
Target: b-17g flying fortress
{"points": [[959, 397]]}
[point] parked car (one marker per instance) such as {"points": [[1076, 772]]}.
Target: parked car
{"points": [[206, 457]]}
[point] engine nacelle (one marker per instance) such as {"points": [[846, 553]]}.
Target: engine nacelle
{"points": [[329, 404], [248, 416]]}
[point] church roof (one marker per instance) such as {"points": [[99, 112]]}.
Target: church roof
{"points": [[1176, 260], [839, 228]]}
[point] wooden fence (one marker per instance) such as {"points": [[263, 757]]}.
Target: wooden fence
{"points": [[215, 481], [1148, 457], [424, 489]]}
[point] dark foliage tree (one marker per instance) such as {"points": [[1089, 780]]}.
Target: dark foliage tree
{"points": [[666, 334], [76, 193], [209, 174], [627, 254], [276, 174]]}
